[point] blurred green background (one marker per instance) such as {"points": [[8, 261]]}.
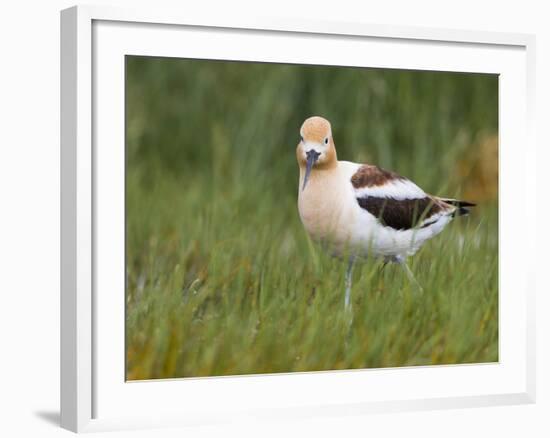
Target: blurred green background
{"points": [[221, 277]]}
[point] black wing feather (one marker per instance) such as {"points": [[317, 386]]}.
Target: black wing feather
{"points": [[400, 214]]}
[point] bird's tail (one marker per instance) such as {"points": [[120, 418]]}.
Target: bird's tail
{"points": [[462, 207]]}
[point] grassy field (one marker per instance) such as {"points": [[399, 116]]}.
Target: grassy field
{"points": [[221, 277]]}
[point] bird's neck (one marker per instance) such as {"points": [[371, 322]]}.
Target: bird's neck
{"points": [[320, 173]]}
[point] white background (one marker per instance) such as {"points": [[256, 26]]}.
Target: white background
{"points": [[29, 219]]}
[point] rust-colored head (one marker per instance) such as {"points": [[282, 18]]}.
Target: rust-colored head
{"points": [[316, 149]]}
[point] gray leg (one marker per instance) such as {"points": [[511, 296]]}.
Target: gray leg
{"points": [[386, 262], [403, 262], [349, 277]]}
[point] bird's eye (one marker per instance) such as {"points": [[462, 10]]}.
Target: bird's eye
{"points": [[326, 140]]}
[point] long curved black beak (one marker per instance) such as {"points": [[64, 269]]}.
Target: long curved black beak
{"points": [[312, 156]]}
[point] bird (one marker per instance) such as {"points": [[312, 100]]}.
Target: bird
{"points": [[356, 211]]}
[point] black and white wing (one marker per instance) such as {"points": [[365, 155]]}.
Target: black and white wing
{"points": [[399, 203]]}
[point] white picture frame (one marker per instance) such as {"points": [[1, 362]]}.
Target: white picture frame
{"points": [[94, 395]]}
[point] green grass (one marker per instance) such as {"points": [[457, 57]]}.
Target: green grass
{"points": [[221, 277]]}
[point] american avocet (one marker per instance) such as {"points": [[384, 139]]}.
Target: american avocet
{"points": [[360, 210]]}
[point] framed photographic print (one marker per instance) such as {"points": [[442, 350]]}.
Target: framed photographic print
{"points": [[280, 219]]}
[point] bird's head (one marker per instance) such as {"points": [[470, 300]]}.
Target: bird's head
{"points": [[316, 148]]}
